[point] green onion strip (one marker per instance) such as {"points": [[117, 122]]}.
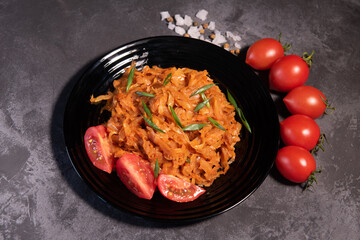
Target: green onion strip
{"points": [[202, 89], [147, 110], [195, 126], [144, 94], [153, 125], [176, 118], [216, 124], [130, 78], [167, 79], [239, 111], [201, 105]]}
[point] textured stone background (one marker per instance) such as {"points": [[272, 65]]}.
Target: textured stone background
{"points": [[44, 48]]}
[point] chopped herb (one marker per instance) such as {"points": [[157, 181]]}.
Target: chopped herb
{"points": [[130, 78], [239, 111], [195, 126], [231, 99], [188, 160], [203, 96], [151, 124], [202, 89], [201, 105], [216, 124], [167, 79], [144, 94], [156, 169], [147, 110], [243, 119], [176, 118]]}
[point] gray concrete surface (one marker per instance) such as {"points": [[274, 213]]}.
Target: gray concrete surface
{"points": [[44, 47]]}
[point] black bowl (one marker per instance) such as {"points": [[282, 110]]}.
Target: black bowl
{"points": [[255, 153]]}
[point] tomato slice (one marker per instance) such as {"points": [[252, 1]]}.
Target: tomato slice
{"points": [[137, 175], [178, 190], [98, 148]]}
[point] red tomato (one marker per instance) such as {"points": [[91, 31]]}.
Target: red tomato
{"points": [[300, 130], [98, 148], [295, 163], [137, 175], [287, 73], [305, 100], [263, 53], [178, 190]]}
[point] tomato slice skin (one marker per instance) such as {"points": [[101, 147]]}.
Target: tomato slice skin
{"points": [[137, 175], [300, 130], [287, 73], [178, 190], [263, 53], [98, 148], [305, 100], [295, 163]]}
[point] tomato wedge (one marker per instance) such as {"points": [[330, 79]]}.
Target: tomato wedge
{"points": [[137, 175], [178, 190], [98, 148]]}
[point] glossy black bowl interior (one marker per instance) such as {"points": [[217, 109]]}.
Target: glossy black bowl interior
{"points": [[255, 153]]}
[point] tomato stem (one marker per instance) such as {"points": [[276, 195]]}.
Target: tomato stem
{"points": [[308, 58], [328, 106], [311, 179], [286, 47], [320, 144]]}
